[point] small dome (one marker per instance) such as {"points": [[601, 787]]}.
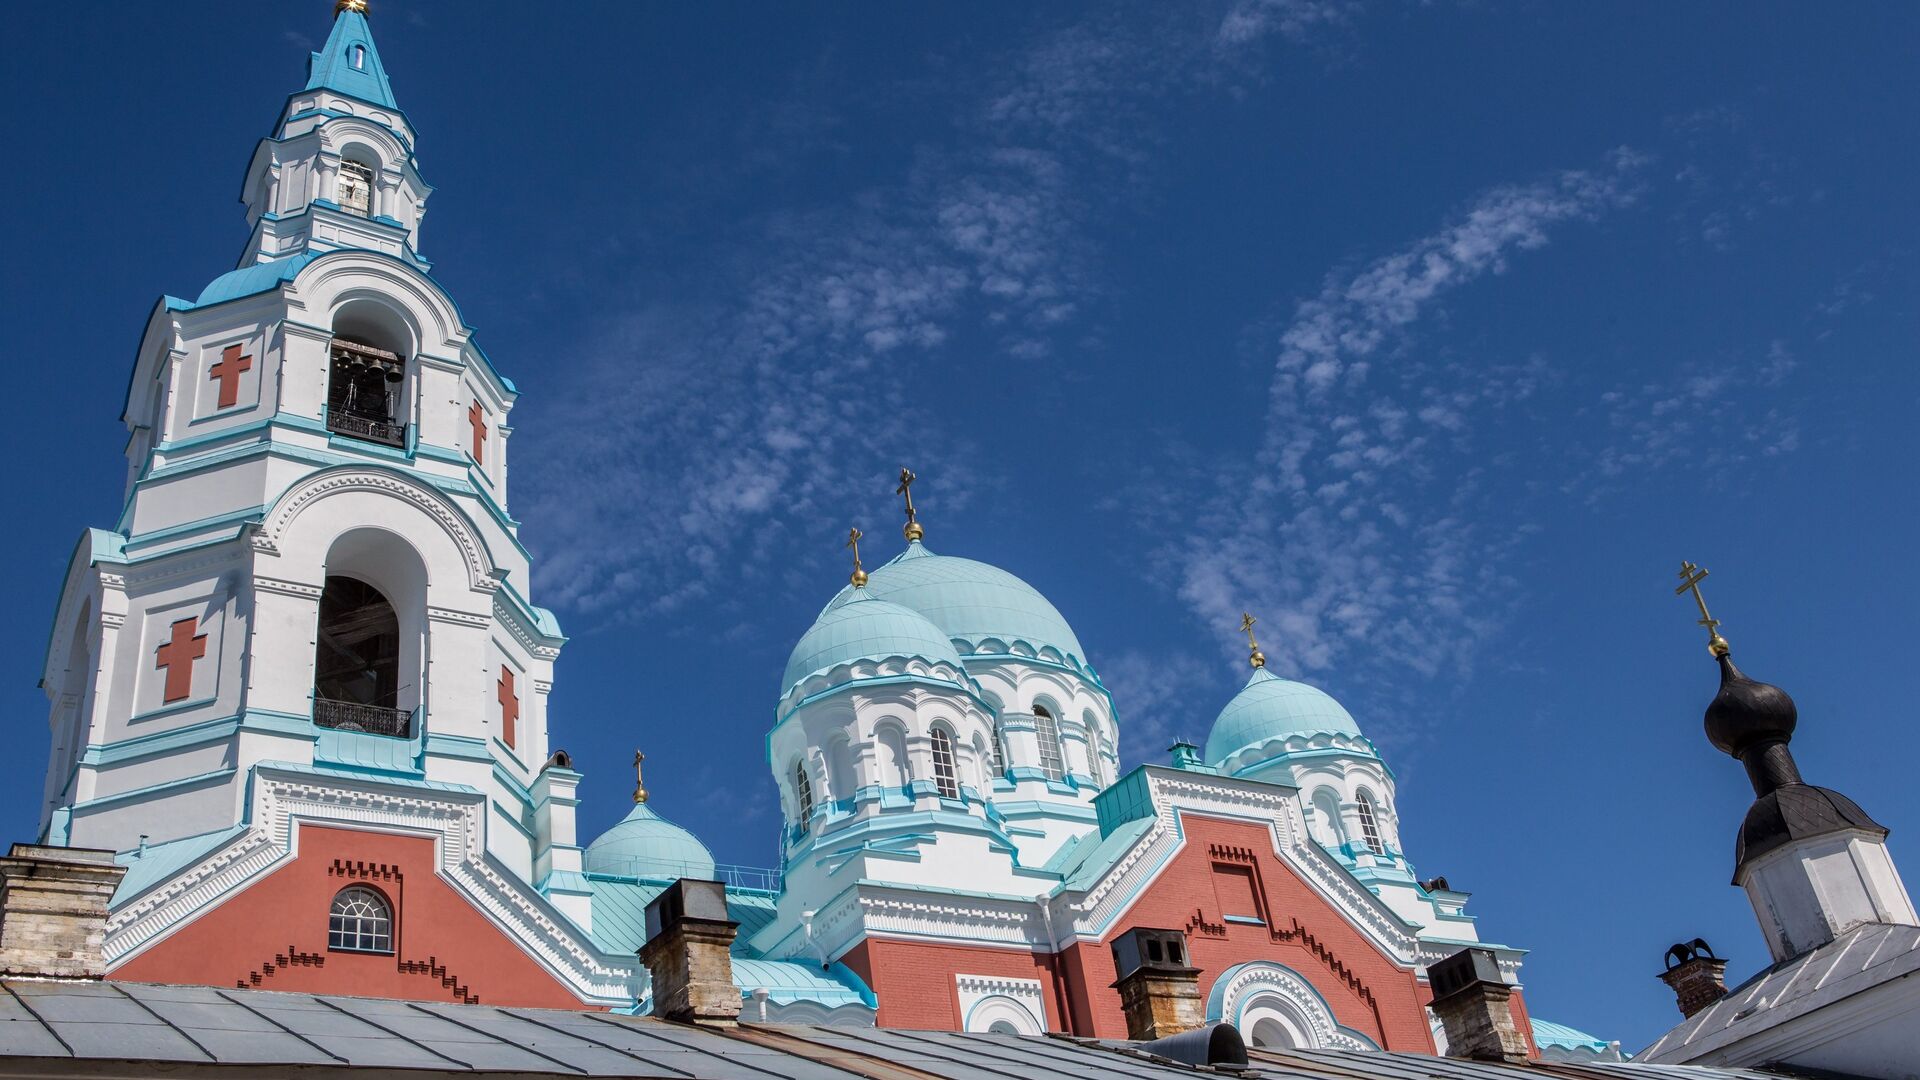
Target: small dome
{"points": [[972, 601], [1747, 713], [860, 626], [1270, 707], [646, 845]]}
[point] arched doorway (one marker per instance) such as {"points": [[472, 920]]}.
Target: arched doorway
{"points": [[356, 682]]}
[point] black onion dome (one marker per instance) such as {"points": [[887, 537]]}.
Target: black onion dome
{"points": [[1746, 714]]}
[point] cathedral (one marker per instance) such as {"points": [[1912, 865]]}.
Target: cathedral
{"points": [[300, 691]]}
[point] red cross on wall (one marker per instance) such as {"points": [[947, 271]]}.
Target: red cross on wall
{"points": [[176, 658], [227, 374], [478, 420], [509, 705]]}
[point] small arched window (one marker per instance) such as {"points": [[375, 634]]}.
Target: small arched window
{"points": [[1095, 767], [803, 792], [357, 56], [1047, 731], [1369, 825], [360, 921], [998, 748], [944, 777]]}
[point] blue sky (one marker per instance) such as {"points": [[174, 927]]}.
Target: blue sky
{"points": [[1435, 335]]}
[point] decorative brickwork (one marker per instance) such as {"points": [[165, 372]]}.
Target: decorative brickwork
{"points": [[286, 958], [432, 968]]}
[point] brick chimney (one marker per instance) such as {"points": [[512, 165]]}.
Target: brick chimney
{"points": [[1696, 976], [53, 911], [1471, 1000], [1159, 992], [688, 953]]}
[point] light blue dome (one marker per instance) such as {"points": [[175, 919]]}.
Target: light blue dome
{"points": [[646, 845], [1271, 707], [858, 625], [972, 601]]}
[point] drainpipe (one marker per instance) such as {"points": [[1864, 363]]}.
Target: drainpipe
{"points": [[1063, 1002]]}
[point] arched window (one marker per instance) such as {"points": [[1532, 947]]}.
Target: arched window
{"points": [[1326, 811], [356, 187], [840, 782], [360, 921], [357, 56], [356, 669], [1095, 767], [998, 748], [944, 777], [1047, 731], [1369, 825], [893, 757], [803, 792]]}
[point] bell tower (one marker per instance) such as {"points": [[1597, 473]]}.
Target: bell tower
{"points": [[316, 572]]}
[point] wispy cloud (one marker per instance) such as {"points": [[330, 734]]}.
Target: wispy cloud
{"points": [[741, 424]]}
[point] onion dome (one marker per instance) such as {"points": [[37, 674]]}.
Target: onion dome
{"points": [[646, 845], [1271, 708], [857, 626], [978, 604], [1753, 721]]}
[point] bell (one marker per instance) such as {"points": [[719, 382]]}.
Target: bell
{"points": [[394, 374]]}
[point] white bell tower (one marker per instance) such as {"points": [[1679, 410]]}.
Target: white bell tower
{"points": [[316, 566]]}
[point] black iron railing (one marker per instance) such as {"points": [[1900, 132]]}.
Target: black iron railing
{"points": [[365, 427], [369, 719]]}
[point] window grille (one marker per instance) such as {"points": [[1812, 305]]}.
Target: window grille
{"points": [[1047, 731], [943, 772], [356, 187], [1369, 826], [803, 791], [360, 922]]}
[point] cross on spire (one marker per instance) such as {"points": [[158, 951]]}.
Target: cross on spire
{"points": [[859, 578], [227, 374], [639, 785], [1254, 656], [1690, 578], [509, 704], [905, 490], [477, 420], [176, 658]]}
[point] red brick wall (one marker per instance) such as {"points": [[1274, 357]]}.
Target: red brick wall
{"points": [[273, 934], [1367, 991]]}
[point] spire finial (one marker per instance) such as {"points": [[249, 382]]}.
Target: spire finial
{"points": [[639, 785], [1690, 578], [859, 577], [1254, 656], [913, 530], [341, 7]]}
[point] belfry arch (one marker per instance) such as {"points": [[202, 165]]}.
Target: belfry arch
{"points": [[370, 635]]}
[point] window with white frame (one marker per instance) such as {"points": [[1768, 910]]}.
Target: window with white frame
{"points": [[360, 921], [803, 792], [356, 187], [1095, 768], [1047, 731], [1369, 825], [945, 779]]}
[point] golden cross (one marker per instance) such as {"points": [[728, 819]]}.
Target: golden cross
{"points": [[853, 541], [639, 785], [913, 529], [1690, 578], [349, 5], [1256, 657]]}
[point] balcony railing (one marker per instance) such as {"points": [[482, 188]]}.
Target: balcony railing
{"points": [[365, 427], [368, 719]]}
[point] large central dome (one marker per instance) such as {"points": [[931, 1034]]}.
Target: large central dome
{"points": [[976, 603]]}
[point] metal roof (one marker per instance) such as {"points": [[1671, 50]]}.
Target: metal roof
{"points": [[140, 1029]]}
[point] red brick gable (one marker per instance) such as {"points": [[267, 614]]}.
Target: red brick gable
{"points": [[273, 934]]}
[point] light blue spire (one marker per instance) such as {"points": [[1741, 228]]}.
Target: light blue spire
{"points": [[348, 63]]}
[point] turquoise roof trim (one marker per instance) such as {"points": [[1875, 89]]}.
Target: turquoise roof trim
{"points": [[349, 64], [858, 625], [250, 280], [158, 863], [1270, 707], [1548, 1035], [972, 601]]}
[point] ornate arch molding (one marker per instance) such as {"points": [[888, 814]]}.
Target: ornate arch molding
{"points": [[1246, 992], [338, 276], [482, 573]]}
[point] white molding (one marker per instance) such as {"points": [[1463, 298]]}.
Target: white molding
{"points": [[1297, 1000], [989, 999], [268, 535]]}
